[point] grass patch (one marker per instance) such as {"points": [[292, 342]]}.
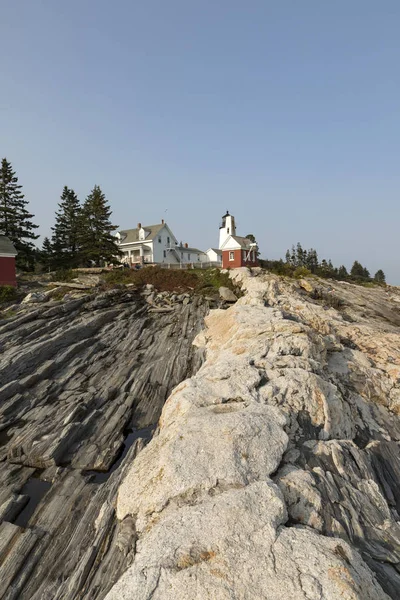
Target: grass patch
{"points": [[8, 314], [8, 293], [59, 294], [200, 281]]}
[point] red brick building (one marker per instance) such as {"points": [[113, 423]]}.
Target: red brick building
{"points": [[236, 251], [8, 274], [239, 257]]}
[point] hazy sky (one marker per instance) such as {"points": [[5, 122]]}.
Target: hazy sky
{"points": [[284, 112]]}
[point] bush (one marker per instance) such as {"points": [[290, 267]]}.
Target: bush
{"points": [[327, 298], [64, 275], [7, 293], [301, 272], [278, 267]]}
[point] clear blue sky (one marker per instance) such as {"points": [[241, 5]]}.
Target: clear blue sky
{"points": [[286, 112]]}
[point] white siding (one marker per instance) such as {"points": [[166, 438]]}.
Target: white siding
{"points": [[212, 256], [160, 247]]}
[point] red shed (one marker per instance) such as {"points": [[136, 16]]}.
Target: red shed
{"points": [[8, 275], [244, 255]]}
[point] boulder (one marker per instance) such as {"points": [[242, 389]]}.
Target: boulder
{"points": [[227, 294], [35, 297], [306, 285]]}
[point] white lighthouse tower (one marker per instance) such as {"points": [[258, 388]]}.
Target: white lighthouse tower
{"points": [[227, 228]]}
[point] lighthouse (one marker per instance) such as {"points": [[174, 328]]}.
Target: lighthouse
{"points": [[236, 251], [227, 228]]}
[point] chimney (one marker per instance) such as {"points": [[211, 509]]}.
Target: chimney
{"points": [[162, 221], [139, 226], [186, 245]]}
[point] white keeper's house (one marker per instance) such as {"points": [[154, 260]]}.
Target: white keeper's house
{"points": [[156, 244]]}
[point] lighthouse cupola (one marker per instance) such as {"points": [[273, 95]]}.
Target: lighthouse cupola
{"points": [[227, 228]]}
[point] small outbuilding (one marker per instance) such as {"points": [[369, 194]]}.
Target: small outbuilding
{"points": [[8, 273]]}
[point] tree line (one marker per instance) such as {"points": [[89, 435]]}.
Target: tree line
{"points": [[302, 262], [82, 234]]}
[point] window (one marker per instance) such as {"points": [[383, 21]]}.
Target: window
{"points": [[159, 239], [188, 256], [168, 241], [231, 256], [165, 254], [244, 255], [227, 231], [181, 254]]}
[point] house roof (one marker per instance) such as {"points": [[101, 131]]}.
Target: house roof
{"points": [[6, 246], [216, 250], [129, 236], [184, 249], [243, 241]]}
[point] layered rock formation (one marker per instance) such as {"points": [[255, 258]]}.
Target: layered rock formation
{"points": [[275, 470], [82, 385]]}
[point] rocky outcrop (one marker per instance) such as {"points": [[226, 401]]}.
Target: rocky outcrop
{"points": [[275, 470], [83, 383]]}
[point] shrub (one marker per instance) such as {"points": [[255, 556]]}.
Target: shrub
{"points": [[301, 272], [64, 275], [327, 298], [7, 293]]}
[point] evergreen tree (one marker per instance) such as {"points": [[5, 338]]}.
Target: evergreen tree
{"points": [[293, 257], [324, 265], [46, 253], [15, 219], [312, 260], [67, 231], [287, 257], [366, 274], [357, 270], [98, 244], [380, 277], [299, 255], [342, 272]]}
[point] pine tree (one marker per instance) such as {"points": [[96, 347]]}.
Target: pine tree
{"points": [[380, 277], [98, 244], [358, 271], [342, 272], [46, 253], [15, 219], [293, 257], [312, 260], [366, 274], [287, 257], [67, 231], [299, 255]]}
